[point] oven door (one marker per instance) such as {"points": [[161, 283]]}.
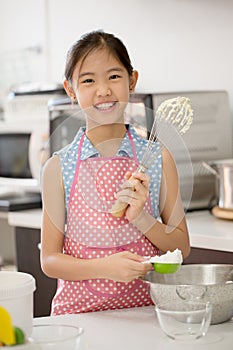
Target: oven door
{"points": [[14, 160], [19, 189]]}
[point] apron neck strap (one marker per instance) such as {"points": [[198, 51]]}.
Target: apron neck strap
{"points": [[129, 136]]}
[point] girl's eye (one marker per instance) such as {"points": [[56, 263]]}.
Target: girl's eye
{"points": [[114, 76], [88, 81]]}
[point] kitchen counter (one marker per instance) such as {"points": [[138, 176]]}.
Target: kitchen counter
{"points": [[136, 329], [25, 218], [206, 231]]}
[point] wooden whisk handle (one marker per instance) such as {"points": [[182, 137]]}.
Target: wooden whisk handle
{"points": [[119, 208]]}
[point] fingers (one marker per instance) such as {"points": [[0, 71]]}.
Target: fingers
{"points": [[134, 188], [137, 265], [126, 196], [142, 177], [136, 178], [132, 256], [135, 192], [141, 270]]}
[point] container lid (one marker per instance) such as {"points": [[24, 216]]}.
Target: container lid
{"points": [[14, 284]]}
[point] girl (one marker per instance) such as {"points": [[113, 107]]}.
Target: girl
{"points": [[96, 257]]}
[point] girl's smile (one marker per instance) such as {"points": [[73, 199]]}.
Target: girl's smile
{"points": [[105, 106], [100, 81]]}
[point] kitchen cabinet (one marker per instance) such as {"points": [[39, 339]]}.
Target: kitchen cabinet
{"points": [[28, 260]]}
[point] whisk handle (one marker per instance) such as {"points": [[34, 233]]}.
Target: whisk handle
{"points": [[118, 209]]}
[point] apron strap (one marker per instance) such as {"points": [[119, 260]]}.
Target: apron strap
{"points": [[79, 157]]}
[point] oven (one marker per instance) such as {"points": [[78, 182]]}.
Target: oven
{"points": [[19, 166]]}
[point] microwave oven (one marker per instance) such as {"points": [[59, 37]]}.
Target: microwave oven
{"points": [[21, 148]]}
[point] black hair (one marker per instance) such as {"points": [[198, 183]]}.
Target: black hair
{"points": [[92, 41]]}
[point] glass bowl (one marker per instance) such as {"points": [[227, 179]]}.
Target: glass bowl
{"points": [[184, 320], [56, 337]]}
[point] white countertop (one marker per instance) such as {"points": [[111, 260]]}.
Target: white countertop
{"points": [[26, 218], [208, 232], [136, 329], [205, 230]]}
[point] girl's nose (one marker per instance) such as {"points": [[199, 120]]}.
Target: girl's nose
{"points": [[103, 90]]}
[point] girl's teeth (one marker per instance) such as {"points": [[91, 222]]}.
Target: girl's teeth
{"points": [[104, 106]]}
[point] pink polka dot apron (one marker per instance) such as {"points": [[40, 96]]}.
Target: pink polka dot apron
{"points": [[92, 232]]}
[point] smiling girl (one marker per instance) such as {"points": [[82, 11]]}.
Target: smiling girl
{"points": [[96, 257]]}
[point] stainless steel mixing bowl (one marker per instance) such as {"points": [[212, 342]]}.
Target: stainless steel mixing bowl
{"points": [[201, 282]]}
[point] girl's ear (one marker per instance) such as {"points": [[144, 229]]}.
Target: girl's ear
{"points": [[133, 80], [69, 90]]}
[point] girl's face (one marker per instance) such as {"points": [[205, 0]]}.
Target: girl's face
{"points": [[102, 86]]}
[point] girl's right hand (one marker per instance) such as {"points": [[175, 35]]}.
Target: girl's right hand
{"points": [[125, 267]]}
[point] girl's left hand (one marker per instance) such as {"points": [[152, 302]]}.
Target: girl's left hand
{"points": [[134, 192]]}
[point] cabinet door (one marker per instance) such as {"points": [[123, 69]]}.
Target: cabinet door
{"points": [[28, 260]]}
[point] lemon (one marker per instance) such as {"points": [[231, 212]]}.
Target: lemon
{"points": [[7, 334]]}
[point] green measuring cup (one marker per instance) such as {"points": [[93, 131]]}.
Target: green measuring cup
{"points": [[164, 268]]}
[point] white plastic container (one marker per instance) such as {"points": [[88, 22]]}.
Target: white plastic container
{"points": [[16, 296]]}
